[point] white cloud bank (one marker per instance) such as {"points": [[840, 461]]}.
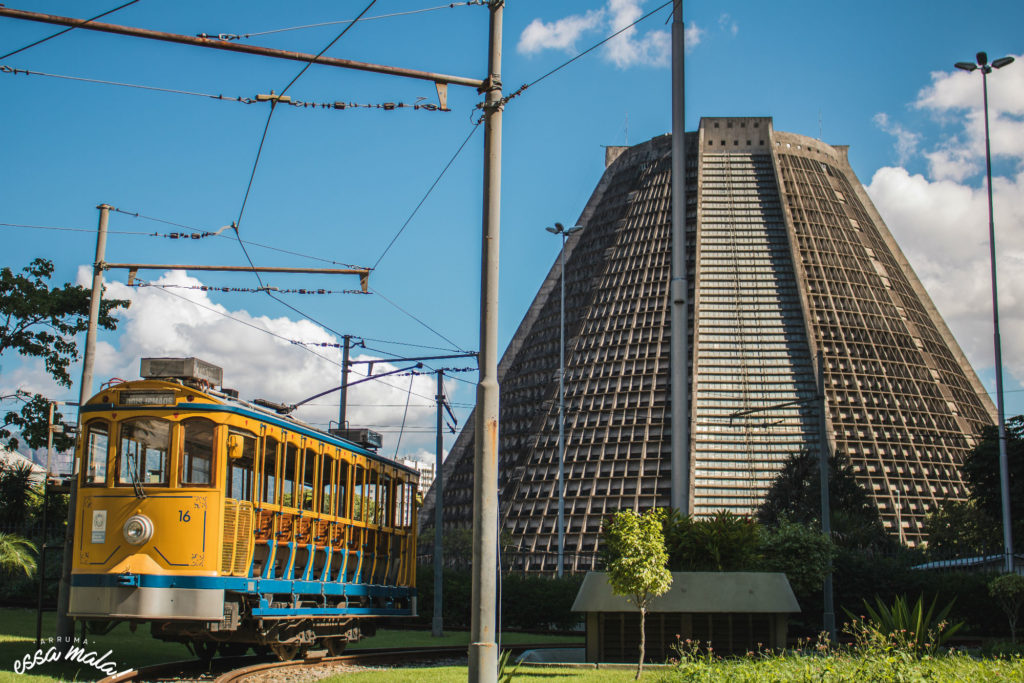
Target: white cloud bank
{"points": [[630, 48], [941, 221], [258, 359]]}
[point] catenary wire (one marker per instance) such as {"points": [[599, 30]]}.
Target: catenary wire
{"points": [[405, 414], [415, 318], [593, 47], [335, 105], [259, 153], [282, 338], [429, 191], [70, 28], [239, 36], [264, 246]]}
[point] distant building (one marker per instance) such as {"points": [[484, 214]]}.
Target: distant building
{"points": [[426, 470], [15, 459], [787, 257]]}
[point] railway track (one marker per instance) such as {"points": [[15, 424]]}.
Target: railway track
{"points": [[234, 669]]}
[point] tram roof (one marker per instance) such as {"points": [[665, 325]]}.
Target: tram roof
{"points": [[223, 402]]}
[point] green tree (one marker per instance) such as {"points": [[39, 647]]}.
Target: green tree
{"points": [[1008, 591], [19, 495], [37, 321], [724, 542], [635, 557], [32, 422], [16, 553], [796, 495], [981, 474], [800, 552], [961, 528]]}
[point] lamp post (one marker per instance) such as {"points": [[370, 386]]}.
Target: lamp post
{"points": [[1004, 469], [560, 229]]}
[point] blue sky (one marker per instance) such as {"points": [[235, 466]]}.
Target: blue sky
{"points": [[339, 185]]}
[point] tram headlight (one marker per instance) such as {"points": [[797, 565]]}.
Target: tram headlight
{"points": [[138, 529]]}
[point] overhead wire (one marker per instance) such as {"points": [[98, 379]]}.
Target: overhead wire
{"points": [[239, 36], [427, 194], [281, 337], [334, 105], [256, 162], [64, 229], [70, 28], [405, 413], [590, 49], [374, 291]]}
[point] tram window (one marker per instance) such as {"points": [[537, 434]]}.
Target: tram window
{"points": [[358, 506], [268, 493], [385, 514], [197, 452], [142, 452], [404, 513], [240, 469], [96, 449], [326, 484], [370, 497], [343, 470], [410, 492], [308, 470], [291, 452]]}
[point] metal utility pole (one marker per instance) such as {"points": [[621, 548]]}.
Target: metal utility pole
{"points": [[343, 405], [560, 229], [50, 429], [483, 649], [65, 624], [680, 353], [829, 617], [483, 656], [437, 627], [1004, 465]]}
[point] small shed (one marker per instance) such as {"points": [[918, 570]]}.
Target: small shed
{"points": [[734, 611]]}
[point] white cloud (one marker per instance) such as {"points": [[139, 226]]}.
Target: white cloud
{"points": [[941, 221], [726, 23], [630, 48], [942, 227], [955, 98], [260, 365], [906, 140], [559, 35]]}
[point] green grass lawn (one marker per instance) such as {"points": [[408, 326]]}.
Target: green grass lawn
{"points": [[524, 674]]}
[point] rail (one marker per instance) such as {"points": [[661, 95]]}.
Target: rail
{"points": [[235, 669]]}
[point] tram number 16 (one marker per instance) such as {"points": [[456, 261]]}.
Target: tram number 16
{"points": [[183, 516]]}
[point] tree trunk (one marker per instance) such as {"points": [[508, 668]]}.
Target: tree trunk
{"points": [[643, 642]]}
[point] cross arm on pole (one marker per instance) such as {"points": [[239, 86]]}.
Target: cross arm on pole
{"points": [[363, 273], [441, 79]]}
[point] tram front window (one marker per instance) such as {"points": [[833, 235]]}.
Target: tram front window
{"points": [[142, 451], [96, 445]]}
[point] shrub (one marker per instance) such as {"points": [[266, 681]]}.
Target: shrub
{"points": [[1008, 591], [722, 543], [903, 628]]}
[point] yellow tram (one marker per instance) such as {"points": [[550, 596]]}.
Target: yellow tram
{"points": [[226, 525]]}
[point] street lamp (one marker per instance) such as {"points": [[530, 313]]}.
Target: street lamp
{"points": [[560, 229], [1004, 469]]}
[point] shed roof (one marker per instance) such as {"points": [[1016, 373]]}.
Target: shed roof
{"points": [[697, 592]]}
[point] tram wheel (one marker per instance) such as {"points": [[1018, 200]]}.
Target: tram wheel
{"points": [[285, 651], [336, 646], [205, 649]]}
